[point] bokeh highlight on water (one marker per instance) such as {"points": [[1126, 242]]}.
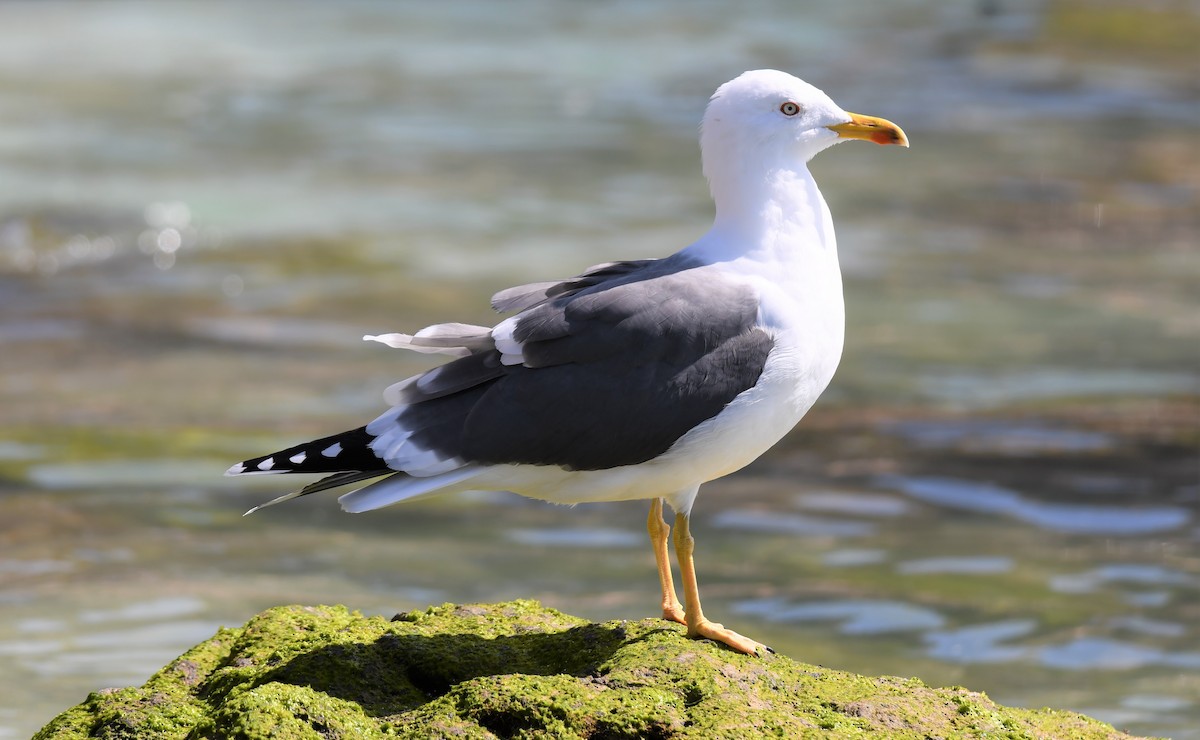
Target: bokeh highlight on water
{"points": [[204, 206]]}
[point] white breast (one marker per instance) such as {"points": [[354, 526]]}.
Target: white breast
{"points": [[807, 323]]}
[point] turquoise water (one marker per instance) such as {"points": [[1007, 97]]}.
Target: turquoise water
{"points": [[203, 207]]}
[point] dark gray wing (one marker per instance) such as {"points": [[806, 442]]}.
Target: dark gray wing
{"points": [[618, 366], [522, 297]]}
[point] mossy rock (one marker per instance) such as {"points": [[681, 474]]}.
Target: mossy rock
{"points": [[520, 670]]}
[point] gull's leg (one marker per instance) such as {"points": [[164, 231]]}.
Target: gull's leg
{"points": [[697, 625], [659, 533]]}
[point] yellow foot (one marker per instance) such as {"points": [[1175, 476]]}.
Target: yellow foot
{"points": [[740, 643], [674, 614]]}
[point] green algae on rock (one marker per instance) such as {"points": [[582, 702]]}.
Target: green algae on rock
{"points": [[520, 670]]}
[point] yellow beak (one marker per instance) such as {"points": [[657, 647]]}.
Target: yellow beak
{"points": [[870, 128]]}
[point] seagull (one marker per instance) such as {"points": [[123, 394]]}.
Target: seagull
{"points": [[640, 379]]}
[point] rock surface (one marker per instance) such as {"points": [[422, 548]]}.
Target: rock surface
{"points": [[520, 670]]}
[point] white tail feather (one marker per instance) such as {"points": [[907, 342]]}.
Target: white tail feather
{"points": [[399, 488], [408, 341], [452, 331], [457, 340]]}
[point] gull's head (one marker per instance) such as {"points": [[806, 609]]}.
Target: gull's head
{"points": [[775, 119]]}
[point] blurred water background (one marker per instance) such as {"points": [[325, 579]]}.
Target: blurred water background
{"points": [[203, 206]]}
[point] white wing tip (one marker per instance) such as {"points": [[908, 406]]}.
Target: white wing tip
{"points": [[265, 467], [348, 505]]}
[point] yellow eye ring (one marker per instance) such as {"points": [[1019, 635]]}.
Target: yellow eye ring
{"points": [[789, 108]]}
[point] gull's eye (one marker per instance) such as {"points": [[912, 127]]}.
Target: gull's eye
{"points": [[789, 108]]}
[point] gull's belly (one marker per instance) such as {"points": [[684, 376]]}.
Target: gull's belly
{"points": [[806, 319], [790, 384]]}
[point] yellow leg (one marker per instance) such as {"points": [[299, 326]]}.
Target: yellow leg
{"points": [[659, 533], [697, 625]]}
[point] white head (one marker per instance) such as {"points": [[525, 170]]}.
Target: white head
{"points": [[768, 120]]}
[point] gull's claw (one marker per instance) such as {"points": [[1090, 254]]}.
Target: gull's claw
{"points": [[717, 632]]}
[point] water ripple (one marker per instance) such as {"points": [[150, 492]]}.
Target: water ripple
{"points": [[1101, 653], [795, 524], [156, 609], [1071, 518], [850, 557], [1136, 573], [978, 643], [597, 537], [856, 616], [854, 503], [975, 390], [998, 436], [970, 565]]}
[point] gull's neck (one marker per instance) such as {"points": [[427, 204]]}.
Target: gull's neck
{"points": [[769, 214]]}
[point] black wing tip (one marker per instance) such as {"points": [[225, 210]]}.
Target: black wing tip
{"points": [[339, 453]]}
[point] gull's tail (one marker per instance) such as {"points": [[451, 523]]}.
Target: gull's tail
{"points": [[347, 455]]}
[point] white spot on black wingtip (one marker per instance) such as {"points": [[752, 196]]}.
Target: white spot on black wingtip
{"points": [[298, 458], [241, 469], [332, 450], [266, 464]]}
